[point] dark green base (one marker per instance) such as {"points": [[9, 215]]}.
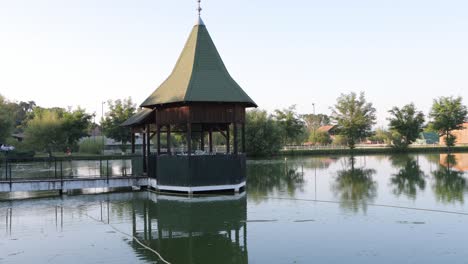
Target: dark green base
{"points": [[195, 171]]}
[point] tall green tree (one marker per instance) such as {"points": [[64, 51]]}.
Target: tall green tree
{"points": [[448, 114], [44, 131], [75, 125], [262, 134], [354, 117], [56, 129], [22, 113], [408, 123], [6, 122], [119, 111], [313, 122], [292, 127]]}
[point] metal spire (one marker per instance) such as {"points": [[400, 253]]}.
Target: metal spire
{"points": [[199, 9]]}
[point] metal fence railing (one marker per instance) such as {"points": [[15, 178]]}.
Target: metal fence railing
{"points": [[13, 169], [359, 146]]}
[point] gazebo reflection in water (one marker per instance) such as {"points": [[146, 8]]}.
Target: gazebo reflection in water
{"points": [[192, 230]]}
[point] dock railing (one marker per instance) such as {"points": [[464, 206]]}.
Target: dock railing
{"points": [[21, 169]]}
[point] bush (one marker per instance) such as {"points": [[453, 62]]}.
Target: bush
{"points": [[339, 140], [262, 134], [91, 145], [320, 138]]}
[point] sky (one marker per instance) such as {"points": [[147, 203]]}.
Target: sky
{"points": [[282, 53]]}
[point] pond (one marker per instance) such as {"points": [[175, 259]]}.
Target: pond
{"points": [[370, 209]]}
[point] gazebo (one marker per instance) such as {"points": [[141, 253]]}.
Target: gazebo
{"points": [[198, 99]]}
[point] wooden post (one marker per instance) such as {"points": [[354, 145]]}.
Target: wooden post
{"points": [[243, 137], [202, 140], [148, 146], [189, 139], [143, 134], [235, 138], [148, 139], [159, 138], [133, 141], [169, 139], [228, 145], [210, 139]]}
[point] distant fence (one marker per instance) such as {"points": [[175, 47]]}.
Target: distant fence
{"points": [[359, 146]]}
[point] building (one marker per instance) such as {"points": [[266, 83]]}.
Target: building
{"points": [[427, 138], [461, 134], [329, 129], [198, 99]]}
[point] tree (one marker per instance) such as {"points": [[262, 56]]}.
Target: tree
{"points": [[119, 111], [293, 129], [448, 114], [320, 137], [6, 122], [44, 131], [313, 122], [56, 128], [354, 117], [75, 125], [381, 136], [408, 123], [262, 134]]}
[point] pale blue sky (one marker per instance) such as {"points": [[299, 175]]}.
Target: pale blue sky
{"points": [[82, 52]]}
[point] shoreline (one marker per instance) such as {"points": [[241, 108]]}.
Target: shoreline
{"points": [[370, 151]]}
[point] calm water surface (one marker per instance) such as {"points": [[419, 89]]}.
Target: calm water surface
{"points": [[373, 209]]}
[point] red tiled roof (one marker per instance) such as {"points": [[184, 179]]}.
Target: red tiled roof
{"points": [[325, 128]]}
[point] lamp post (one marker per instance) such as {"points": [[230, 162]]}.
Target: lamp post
{"points": [[102, 129], [313, 127]]}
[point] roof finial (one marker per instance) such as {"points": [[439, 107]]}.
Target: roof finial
{"points": [[199, 9]]}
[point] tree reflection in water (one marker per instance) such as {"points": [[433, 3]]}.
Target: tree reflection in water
{"points": [[355, 187], [409, 179], [268, 178], [449, 185]]}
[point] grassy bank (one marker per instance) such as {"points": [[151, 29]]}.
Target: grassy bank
{"points": [[369, 151]]}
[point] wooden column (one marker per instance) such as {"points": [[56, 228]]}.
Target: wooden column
{"points": [[133, 141], [143, 135], [158, 138], [243, 137], [228, 145], [235, 138], [210, 139], [189, 139], [169, 139], [202, 140], [148, 140]]}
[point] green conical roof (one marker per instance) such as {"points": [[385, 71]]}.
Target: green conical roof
{"points": [[199, 76]]}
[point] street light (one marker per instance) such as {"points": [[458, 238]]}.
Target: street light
{"points": [[313, 127]]}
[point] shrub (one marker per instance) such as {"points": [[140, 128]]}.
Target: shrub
{"points": [[91, 145]]}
